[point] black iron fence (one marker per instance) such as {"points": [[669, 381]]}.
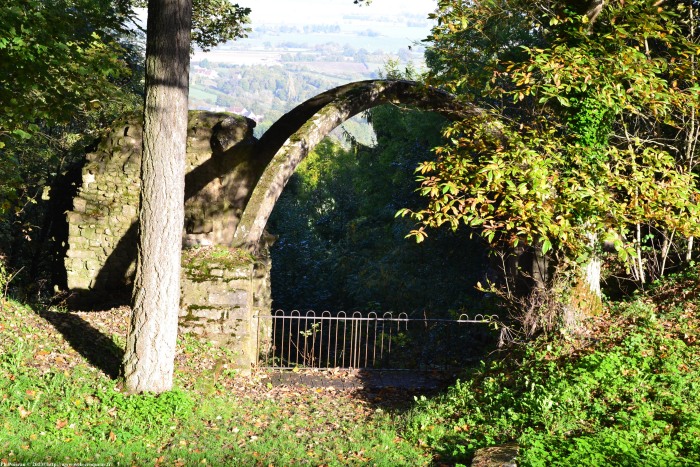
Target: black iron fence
{"points": [[372, 341]]}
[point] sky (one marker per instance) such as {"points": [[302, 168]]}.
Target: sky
{"points": [[314, 11], [326, 11]]}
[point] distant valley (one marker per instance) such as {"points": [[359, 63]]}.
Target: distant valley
{"points": [[281, 65]]}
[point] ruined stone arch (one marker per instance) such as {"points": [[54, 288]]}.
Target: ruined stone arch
{"points": [[232, 184], [296, 134]]}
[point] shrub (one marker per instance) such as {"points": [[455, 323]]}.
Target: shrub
{"points": [[631, 397]]}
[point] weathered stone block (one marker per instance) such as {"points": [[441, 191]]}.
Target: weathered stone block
{"points": [[231, 299], [193, 329], [237, 328], [242, 272], [74, 218], [129, 211], [79, 204], [88, 233], [208, 313], [238, 313], [79, 253]]}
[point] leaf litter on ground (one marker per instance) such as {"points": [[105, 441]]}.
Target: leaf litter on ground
{"points": [[234, 417]]}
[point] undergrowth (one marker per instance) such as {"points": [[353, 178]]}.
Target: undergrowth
{"points": [[69, 412], [628, 395]]}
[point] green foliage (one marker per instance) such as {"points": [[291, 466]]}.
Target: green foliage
{"points": [[217, 21], [629, 397], [213, 21], [146, 412], [469, 41], [57, 60], [585, 139], [529, 191], [336, 223]]}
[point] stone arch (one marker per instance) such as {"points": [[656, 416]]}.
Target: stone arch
{"points": [[293, 136]]}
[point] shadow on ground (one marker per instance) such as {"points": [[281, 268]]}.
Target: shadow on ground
{"points": [[97, 348], [393, 390], [364, 379]]}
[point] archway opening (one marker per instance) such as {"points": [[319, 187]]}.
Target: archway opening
{"points": [[340, 247]]}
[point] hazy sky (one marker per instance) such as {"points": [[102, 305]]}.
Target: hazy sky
{"points": [[314, 11]]}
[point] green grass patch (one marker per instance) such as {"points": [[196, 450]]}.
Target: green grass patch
{"points": [[197, 92], [214, 416], [627, 395]]}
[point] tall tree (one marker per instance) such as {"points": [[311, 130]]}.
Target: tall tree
{"points": [[150, 348], [585, 148]]}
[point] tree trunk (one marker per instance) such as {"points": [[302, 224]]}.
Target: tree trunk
{"points": [[150, 347], [592, 277], [586, 297]]}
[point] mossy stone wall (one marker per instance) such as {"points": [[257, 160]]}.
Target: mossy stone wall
{"points": [[223, 291], [102, 242]]}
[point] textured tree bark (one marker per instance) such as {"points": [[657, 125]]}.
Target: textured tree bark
{"points": [[150, 346]]}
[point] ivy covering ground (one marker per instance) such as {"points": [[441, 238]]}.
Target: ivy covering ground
{"points": [[628, 394]]}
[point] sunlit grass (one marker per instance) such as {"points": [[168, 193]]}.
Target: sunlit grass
{"points": [[214, 416], [626, 393]]}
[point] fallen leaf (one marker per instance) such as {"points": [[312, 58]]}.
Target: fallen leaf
{"points": [[61, 423], [23, 413], [112, 436]]}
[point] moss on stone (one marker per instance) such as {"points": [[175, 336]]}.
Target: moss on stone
{"points": [[199, 262]]}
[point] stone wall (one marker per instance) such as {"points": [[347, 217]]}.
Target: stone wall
{"points": [[223, 289], [102, 225], [104, 212], [102, 242]]}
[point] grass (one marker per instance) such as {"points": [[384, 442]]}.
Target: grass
{"points": [[55, 407], [626, 393], [198, 92]]}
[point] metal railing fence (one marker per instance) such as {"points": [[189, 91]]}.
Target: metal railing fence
{"points": [[370, 341]]}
